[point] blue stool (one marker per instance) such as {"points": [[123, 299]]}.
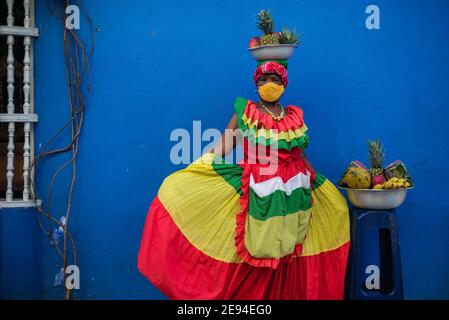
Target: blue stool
{"points": [[374, 266]]}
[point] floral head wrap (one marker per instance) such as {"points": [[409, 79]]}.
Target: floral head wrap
{"points": [[272, 67]]}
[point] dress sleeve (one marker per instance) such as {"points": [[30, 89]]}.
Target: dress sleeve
{"points": [[239, 107]]}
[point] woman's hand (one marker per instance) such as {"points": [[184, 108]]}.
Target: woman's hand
{"points": [[228, 140]]}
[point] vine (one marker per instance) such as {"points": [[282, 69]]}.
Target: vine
{"points": [[77, 70]]}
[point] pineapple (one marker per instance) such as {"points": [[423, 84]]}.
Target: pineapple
{"points": [[376, 158], [266, 25], [289, 37]]}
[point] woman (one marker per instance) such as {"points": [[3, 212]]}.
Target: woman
{"points": [[269, 227]]}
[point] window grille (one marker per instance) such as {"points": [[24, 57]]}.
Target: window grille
{"points": [[17, 115]]}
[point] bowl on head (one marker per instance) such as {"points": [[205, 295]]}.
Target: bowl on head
{"points": [[277, 52]]}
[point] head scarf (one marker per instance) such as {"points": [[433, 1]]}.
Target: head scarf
{"points": [[272, 67]]}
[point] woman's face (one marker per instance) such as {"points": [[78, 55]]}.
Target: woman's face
{"points": [[267, 78]]}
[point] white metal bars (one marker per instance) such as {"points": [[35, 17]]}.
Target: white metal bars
{"points": [[27, 31]]}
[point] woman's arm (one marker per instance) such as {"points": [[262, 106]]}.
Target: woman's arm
{"points": [[228, 140]]}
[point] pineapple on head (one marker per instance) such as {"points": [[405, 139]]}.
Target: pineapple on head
{"points": [[266, 25], [376, 159], [289, 37]]}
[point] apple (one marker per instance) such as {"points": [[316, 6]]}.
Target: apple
{"points": [[254, 42]]}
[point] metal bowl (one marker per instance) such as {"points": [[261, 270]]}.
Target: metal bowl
{"points": [[378, 199], [279, 51]]}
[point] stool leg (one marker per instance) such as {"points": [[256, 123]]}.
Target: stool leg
{"points": [[398, 291], [390, 272]]}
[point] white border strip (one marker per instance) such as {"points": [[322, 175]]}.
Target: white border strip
{"points": [[267, 187]]}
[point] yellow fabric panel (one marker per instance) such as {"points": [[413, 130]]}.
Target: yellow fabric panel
{"points": [[268, 133], [277, 236], [329, 223], [204, 207]]}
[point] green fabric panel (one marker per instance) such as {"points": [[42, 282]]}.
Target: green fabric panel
{"points": [[279, 203], [231, 173], [239, 106], [301, 142], [319, 180]]}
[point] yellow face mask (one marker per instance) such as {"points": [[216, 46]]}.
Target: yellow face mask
{"points": [[271, 91]]}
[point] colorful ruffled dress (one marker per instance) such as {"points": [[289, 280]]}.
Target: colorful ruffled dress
{"points": [[252, 230]]}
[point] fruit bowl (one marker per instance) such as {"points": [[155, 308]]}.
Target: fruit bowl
{"points": [[377, 199], [278, 52]]}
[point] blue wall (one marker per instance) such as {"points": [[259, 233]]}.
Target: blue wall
{"points": [[159, 65]]}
